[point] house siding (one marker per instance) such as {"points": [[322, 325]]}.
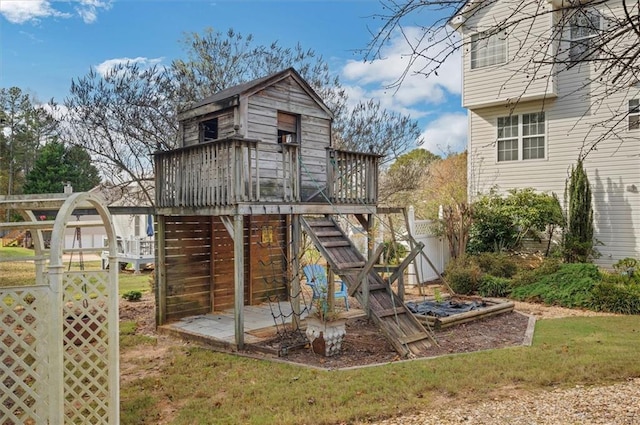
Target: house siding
{"points": [[520, 77], [574, 121]]}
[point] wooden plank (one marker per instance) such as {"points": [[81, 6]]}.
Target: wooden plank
{"points": [[390, 312], [334, 244], [413, 338]]}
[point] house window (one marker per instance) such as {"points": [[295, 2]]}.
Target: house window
{"points": [[584, 26], [634, 114], [488, 49], [208, 130], [508, 138], [533, 134], [287, 128], [521, 136]]}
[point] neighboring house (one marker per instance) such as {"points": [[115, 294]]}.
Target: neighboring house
{"points": [[131, 213], [534, 108]]}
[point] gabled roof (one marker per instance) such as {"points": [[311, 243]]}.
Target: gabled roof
{"points": [[230, 96]]}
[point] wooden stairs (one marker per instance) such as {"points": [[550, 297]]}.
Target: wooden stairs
{"points": [[401, 328]]}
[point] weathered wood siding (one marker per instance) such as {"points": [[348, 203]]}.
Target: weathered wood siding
{"points": [[522, 76], [573, 121], [191, 127], [222, 256], [265, 262], [288, 96], [268, 258], [188, 266]]}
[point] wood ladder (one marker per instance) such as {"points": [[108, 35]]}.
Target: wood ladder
{"points": [[407, 335]]}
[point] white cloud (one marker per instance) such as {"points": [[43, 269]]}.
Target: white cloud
{"points": [[375, 78], [21, 11], [447, 133], [106, 66]]}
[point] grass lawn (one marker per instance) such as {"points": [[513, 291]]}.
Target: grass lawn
{"points": [[215, 388]]}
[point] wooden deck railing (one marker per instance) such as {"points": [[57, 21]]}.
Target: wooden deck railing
{"points": [[352, 177], [231, 171], [223, 172]]}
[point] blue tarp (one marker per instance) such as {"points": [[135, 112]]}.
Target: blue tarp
{"points": [[443, 308]]}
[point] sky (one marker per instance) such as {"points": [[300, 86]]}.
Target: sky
{"points": [[44, 44]]}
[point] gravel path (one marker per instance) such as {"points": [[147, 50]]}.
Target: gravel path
{"points": [[617, 404]]}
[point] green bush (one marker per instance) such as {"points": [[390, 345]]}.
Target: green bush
{"points": [[616, 298], [497, 264], [463, 275], [132, 295], [393, 252], [527, 277], [628, 269], [570, 286], [493, 286]]}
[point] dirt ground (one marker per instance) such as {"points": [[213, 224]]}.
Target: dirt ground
{"points": [[363, 343]]}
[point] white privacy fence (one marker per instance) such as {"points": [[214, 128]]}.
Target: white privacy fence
{"points": [[59, 338], [435, 248]]}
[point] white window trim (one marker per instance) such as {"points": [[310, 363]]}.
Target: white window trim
{"points": [[521, 138], [586, 37], [631, 114], [501, 34]]}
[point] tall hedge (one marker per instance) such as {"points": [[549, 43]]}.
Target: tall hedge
{"points": [[578, 236]]}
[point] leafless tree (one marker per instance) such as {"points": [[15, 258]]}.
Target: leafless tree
{"points": [[123, 117]]}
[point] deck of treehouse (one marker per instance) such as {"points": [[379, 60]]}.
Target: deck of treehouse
{"points": [[245, 176]]}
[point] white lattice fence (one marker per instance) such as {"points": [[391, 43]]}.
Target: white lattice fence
{"points": [[59, 339], [24, 315], [87, 358]]}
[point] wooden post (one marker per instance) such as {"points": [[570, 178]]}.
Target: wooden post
{"points": [[331, 288], [330, 174], [56, 343], [238, 251], [295, 266], [161, 276]]}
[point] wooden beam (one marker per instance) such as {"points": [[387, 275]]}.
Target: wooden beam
{"points": [[161, 273], [295, 266], [405, 263], [238, 251], [365, 270]]}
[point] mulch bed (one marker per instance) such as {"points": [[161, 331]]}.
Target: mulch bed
{"points": [[364, 344]]}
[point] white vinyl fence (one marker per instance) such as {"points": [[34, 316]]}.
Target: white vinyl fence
{"points": [[435, 248]]}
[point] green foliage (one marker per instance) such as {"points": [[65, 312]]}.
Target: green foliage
{"points": [[500, 223], [493, 286], [26, 125], [616, 297], [132, 295], [527, 277], [400, 183], [578, 242], [628, 267], [463, 275], [570, 286], [58, 164], [497, 264], [393, 252]]}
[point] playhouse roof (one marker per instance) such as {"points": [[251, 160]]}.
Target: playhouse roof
{"points": [[230, 96]]}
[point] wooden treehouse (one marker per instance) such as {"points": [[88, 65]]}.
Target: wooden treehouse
{"points": [[255, 168]]}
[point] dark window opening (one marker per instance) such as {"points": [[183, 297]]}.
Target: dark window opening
{"points": [[209, 130], [287, 128]]}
